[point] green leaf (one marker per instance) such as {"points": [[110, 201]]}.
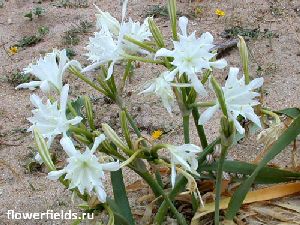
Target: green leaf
{"points": [[267, 175], [120, 196], [290, 112], [282, 142], [119, 218]]}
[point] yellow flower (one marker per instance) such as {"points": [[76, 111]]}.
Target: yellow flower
{"points": [[219, 12], [156, 134], [13, 50]]}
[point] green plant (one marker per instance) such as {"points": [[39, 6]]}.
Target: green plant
{"points": [[28, 41], [72, 36], [37, 11]]}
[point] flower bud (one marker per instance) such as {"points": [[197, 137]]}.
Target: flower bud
{"points": [[172, 14], [111, 134], [244, 57], [220, 95], [89, 112], [156, 33], [43, 149], [227, 131]]}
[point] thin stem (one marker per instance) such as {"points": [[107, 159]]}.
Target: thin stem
{"points": [[272, 114], [86, 80], [140, 44], [219, 184], [163, 209], [157, 189], [142, 59], [78, 130], [202, 104], [200, 129], [186, 128]]}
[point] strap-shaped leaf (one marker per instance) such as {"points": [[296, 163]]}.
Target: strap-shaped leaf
{"points": [[267, 175], [284, 140], [290, 112], [119, 218], [120, 195]]}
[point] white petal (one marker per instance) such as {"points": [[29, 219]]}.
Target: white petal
{"points": [[64, 98], [93, 66], [256, 83], [250, 114], [232, 75], [238, 126], [183, 22], [199, 88], [55, 175], [173, 174], [206, 38], [38, 159], [112, 166], [110, 70], [101, 194], [68, 146], [31, 85], [164, 52], [219, 64], [97, 142], [169, 75], [207, 114], [75, 120], [124, 9], [45, 86]]}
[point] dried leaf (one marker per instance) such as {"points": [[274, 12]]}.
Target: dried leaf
{"points": [[135, 186], [149, 197], [264, 194]]}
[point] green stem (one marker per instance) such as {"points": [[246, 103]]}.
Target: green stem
{"points": [[272, 114], [163, 209], [157, 189], [219, 184], [186, 128], [142, 59], [200, 129], [78, 130], [140, 44], [86, 80], [201, 104]]}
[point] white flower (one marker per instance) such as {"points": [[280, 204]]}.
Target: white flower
{"points": [[137, 31], [84, 169], [192, 54], [239, 100], [185, 156], [48, 71], [103, 48], [108, 44], [162, 87], [107, 22], [50, 120]]}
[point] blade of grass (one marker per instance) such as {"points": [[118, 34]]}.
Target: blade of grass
{"points": [[267, 175]]}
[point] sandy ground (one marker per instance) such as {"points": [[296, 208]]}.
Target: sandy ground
{"points": [[278, 57]]}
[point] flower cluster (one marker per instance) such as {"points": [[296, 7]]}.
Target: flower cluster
{"points": [[188, 76], [109, 44]]}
